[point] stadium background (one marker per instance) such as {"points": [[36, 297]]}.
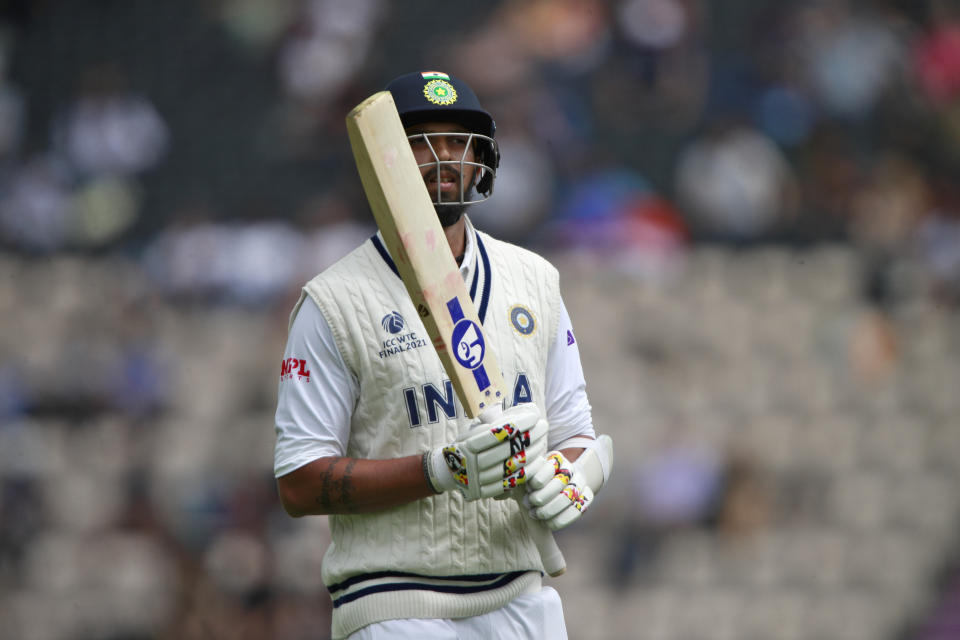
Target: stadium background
{"points": [[754, 209]]}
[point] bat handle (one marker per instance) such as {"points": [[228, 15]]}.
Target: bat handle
{"points": [[550, 555]]}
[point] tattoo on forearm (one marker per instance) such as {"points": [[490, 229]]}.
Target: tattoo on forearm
{"points": [[337, 493], [324, 498], [346, 486]]}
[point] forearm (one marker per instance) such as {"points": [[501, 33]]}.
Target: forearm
{"points": [[572, 453], [339, 485]]}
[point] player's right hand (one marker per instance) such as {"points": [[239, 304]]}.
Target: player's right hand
{"points": [[490, 458]]}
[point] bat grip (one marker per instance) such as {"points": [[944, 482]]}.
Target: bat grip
{"points": [[550, 555]]}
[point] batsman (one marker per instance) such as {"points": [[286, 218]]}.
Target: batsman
{"points": [[371, 432]]}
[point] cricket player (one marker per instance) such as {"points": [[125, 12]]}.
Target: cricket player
{"points": [[369, 430]]}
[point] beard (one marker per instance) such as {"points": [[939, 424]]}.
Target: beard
{"points": [[450, 214]]}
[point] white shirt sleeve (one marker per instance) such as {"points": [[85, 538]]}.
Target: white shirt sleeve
{"points": [[316, 395], [568, 410]]}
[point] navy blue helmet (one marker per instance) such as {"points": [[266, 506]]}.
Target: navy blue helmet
{"points": [[435, 96]]}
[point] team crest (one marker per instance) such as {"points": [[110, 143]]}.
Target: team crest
{"points": [[522, 320], [439, 91]]}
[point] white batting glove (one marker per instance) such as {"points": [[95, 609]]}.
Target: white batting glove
{"points": [[560, 491], [490, 458]]}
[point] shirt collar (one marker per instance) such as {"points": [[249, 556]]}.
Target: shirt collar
{"points": [[475, 267], [469, 263]]}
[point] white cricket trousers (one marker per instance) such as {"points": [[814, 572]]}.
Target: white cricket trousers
{"points": [[531, 616]]}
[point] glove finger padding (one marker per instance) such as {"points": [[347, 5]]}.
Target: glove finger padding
{"points": [[518, 463], [492, 457], [495, 445], [558, 492]]}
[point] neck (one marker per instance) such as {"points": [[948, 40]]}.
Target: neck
{"points": [[457, 238]]}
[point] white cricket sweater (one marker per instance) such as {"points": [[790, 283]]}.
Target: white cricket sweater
{"points": [[440, 556]]}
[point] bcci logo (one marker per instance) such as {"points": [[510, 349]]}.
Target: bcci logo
{"points": [[392, 322], [468, 343], [440, 92], [522, 320]]}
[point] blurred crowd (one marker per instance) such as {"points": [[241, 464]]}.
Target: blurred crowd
{"points": [[635, 125], [172, 172]]}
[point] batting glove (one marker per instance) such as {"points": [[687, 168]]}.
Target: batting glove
{"points": [[491, 458], [560, 491]]}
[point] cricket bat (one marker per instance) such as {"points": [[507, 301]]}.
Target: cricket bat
{"points": [[411, 230]]}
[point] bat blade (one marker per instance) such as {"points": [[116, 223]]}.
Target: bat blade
{"points": [[411, 230]]}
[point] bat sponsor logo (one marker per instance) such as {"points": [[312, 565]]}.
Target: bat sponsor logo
{"points": [[468, 343]]}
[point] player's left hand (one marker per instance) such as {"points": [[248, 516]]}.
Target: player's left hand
{"points": [[558, 492]]}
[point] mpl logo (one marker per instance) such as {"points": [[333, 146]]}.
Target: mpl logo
{"points": [[290, 367]]}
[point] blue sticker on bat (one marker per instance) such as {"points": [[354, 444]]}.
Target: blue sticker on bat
{"points": [[469, 347], [456, 312], [480, 375]]}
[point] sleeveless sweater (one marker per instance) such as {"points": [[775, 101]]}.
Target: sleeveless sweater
{"points": [[441, 556]]}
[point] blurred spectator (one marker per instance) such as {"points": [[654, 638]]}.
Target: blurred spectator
{"points": [[679, 485], [785, 114], [327, 47], [329, 229], [653, 24], [249, 264], [938, 243], [735, 184], [936, 54], [675, 489], [142, 384], [616, 214], [258, 24], [830, 173], [36, 211], [746, 500], [110, 129], [944, 622], [106, 207], [874, 347], [13, 113], [852, 54], [12, 399], [570, 33], [525, 185], [887, 208]]}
